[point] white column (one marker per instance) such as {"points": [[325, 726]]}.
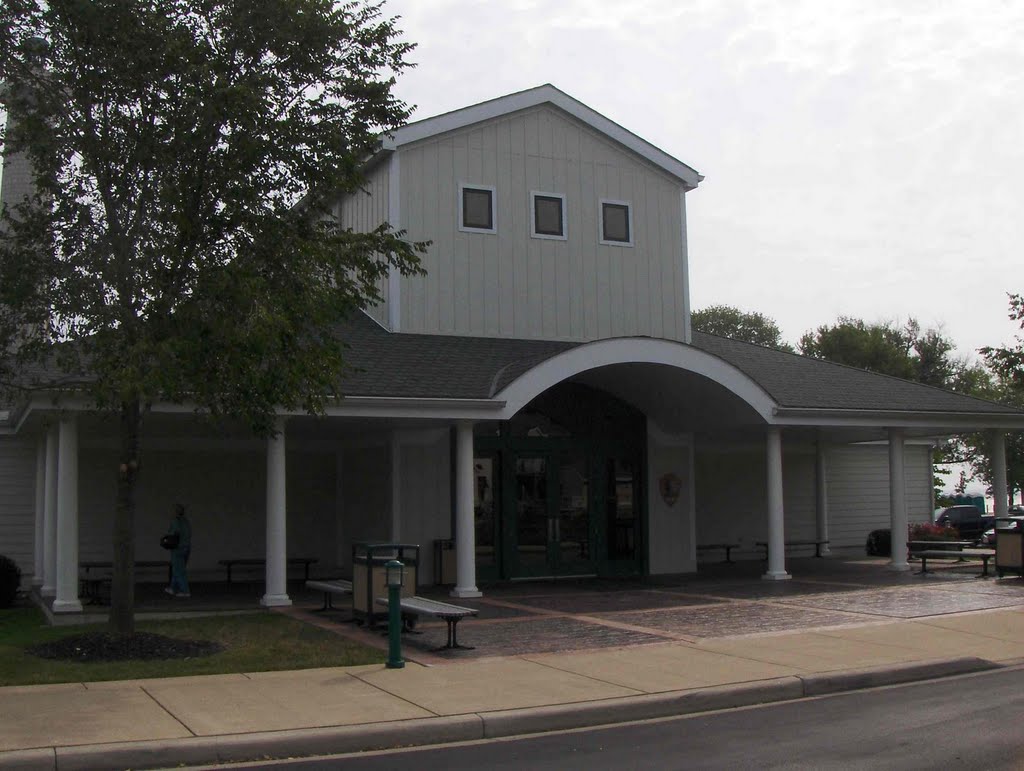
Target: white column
{"points": [[49, 588], [1000, 495], [67, 600], [897, 501], [395, 453], [39, 550], [821, 494], [776, 514], [465, 532], [277, 521]]}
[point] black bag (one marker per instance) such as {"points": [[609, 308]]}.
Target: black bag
{"points": [[170, 541]]}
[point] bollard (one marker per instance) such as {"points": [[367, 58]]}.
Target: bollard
{"points": [[393, 577]]}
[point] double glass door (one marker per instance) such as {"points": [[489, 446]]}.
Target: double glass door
{"points": [[550, 532]]}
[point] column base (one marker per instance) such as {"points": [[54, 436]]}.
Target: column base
{"points": [[825, 551], [465, 591], [275, 600], [776, 575], [897, 567], [66, 606]]}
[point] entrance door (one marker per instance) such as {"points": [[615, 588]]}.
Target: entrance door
{"points": [[550, 495]]}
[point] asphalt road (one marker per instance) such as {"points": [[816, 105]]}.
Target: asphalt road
{"points": [[971, 722]]}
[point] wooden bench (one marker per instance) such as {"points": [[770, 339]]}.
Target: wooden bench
{"points": [[727, 546], [253, 562], [414, 607], [330, 588], [792, 544], [963, 554], [91, 582]]}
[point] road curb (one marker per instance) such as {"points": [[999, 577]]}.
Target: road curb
{"points": [[620, 710], [444, 730], [854, 679]]}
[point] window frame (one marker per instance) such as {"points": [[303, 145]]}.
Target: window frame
{"points": [[460, 205], [534, 195], [600, 222]]}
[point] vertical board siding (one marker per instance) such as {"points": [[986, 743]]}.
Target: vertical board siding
{"points": [[366, 210], [224, 492], [17, 505], [426, 499], [858, 490], [732, 502], [509, 284]]}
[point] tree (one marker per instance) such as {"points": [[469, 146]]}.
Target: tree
{"points": [[880, 347], [178, 247], [751, 327], [1007, 362], [909, 353]]}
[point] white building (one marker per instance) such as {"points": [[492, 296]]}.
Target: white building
{"points": [[538, 395]]}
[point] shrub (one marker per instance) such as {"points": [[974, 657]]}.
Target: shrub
{"points": [[10, 581], [879, 543], [926, 531]]}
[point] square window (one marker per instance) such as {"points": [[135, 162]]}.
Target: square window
{"points": [[477, 209], [548, 215], [615, 223]]}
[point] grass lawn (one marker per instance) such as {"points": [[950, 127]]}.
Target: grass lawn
{"points": [[253, 642]]}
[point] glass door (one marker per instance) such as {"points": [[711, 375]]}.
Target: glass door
{"points": [[485, 516], [571, 523], [552, 526]]}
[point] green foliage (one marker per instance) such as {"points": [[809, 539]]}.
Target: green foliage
{"points": [[880, 347], [751, 327], [10, 581], [179, 246]]}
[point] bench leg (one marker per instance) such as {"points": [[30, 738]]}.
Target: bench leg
{"points": [[452, 638], [924, 566], [728, 553]]}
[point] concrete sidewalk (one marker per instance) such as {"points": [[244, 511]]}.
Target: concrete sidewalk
{"points": [[197, 720]]}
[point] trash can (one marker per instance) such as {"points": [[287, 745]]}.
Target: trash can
{"points": [[444, 562], [368, 577], [1009, 551]]}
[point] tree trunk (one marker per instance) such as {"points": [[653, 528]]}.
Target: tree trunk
{"points": [[122, 588]]}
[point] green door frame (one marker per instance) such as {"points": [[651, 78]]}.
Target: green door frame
{"points": [[505, 449]]}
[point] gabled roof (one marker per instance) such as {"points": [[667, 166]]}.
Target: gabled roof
{"points": [[533, 97]]}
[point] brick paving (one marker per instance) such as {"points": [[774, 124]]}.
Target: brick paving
{"points": [[907, 602], [531, 635], [721, 601], [730, 619]]}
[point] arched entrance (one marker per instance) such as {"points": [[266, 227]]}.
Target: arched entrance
{"points": [[558, 488]]}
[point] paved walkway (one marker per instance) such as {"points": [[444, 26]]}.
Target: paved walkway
{"points": [[547, 657]]}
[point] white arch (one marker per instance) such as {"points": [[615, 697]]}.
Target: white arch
{"points": [[632, 350]]}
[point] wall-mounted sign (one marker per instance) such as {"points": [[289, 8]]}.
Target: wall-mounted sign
{"points": [[670, 484]]}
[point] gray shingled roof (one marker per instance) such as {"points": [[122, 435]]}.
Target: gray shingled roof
{"points": [[802, 382], [415, 366], [447, 366]]}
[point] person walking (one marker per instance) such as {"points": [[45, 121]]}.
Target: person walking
{"points": [[181, 527]]}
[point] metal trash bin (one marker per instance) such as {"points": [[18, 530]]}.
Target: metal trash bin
{"points": [[1009, 551], [444, 562], [368, 577]]}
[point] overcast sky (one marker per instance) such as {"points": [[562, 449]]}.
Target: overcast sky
{"points": [[862, 158]]}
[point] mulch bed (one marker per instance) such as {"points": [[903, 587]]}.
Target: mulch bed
{"points": [[141, 646]]}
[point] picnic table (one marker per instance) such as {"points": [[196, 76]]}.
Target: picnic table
{"points": [[91, 582], [792, 544], [257, 562]]}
